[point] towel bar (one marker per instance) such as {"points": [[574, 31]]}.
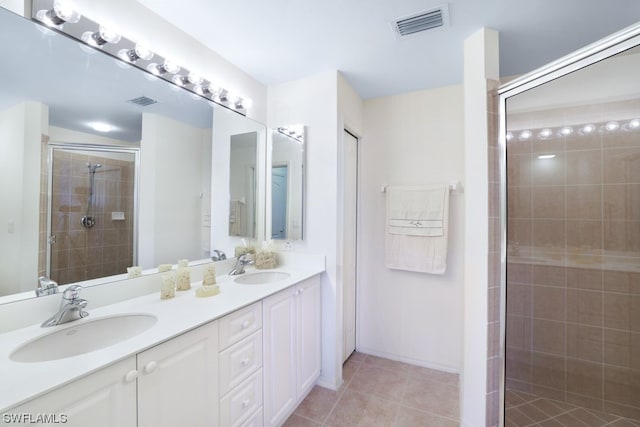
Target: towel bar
{"points": [[454, 187]]}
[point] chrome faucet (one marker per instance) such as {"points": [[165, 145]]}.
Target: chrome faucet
{"points": [[219, 255], [46, 286], [71, 308], [242, 261]]}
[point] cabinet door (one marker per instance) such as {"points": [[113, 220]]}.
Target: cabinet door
{"points": [[278, 327], [102, 399], [177, 382], [308, 298]]}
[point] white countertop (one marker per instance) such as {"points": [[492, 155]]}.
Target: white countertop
{"points": [[20, 382]]}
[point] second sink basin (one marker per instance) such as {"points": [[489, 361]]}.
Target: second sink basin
{"points": [[83, 337], [261, 278]]}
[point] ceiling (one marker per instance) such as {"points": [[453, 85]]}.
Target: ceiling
{"points": [[281, 40]]}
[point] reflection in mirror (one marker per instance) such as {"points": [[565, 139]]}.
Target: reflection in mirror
{"points": [[56, 92], [238, 169], [242, 184], [91, 210], [287, 182]]}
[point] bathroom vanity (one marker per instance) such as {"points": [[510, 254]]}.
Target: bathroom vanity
{"points": [[246, 357]]}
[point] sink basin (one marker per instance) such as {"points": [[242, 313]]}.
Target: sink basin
{"points": [[83, 337], [261, 278]]}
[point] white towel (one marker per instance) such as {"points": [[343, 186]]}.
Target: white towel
{"points": [[417, 228]]}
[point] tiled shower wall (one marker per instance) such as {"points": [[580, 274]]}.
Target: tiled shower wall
{"points": [[573, 291], [494, 360], [107, 248]]}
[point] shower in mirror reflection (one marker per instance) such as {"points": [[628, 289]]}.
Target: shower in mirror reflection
{"points": [[90, 218]]}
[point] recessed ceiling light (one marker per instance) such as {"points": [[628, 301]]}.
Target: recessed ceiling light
{"points": [[611, 126], [525, 134], [567, 130], [101, 126]]}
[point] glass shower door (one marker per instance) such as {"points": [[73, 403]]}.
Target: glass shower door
{"points": [[573, 248], [91, 213]]}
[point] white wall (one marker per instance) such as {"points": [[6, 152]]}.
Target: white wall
{"points": [[21, 129], [411, 139], [136, 22], [171, 191], [313, 102], [480, 64]]}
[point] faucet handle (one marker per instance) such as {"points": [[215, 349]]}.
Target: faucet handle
{"points": [[219, 255], [46, 286], [72, 292]]}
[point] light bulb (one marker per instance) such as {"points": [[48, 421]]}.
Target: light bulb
{"points": [[195, 79], [634, 124], [567, 130], [586, 129], [611, 126], [525, 134], [545, 133], [180, 80], [171, 67], [61, 13], [64, 11], [108, 35], [509, 136], [143, 53]]}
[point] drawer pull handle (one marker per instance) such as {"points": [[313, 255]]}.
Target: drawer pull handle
{"points": [[245, 361], [151, 366], [245, 324], [246, 403], [131, 376]]}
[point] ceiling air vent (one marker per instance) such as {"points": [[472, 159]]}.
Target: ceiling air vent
{"points": [[422, 21], [143, 101]]}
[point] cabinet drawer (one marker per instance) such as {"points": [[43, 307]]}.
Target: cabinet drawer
{"points": [[255, 420], [240, 324], [237, 406], [239, 361]]}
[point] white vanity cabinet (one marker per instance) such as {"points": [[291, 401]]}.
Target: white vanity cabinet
{"points": [[177, 384], [292, 358], [177, 380], [240, 378], [105, 398]]}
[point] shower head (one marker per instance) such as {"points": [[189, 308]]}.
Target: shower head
{"points": [[93, 166]]}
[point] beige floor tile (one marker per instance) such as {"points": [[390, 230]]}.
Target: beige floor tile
{"points": [[348, 411], [357, 357], [318, 404], [432, 374], [384, 383], [379, 362], [349, 369], [408, 417], [297, 421], [432, 396]]}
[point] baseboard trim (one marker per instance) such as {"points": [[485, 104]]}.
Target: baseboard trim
{"points": [[417, 362], [330, 383]]}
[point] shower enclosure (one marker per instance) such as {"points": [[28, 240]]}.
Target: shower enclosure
{"points": [[571, 157], [91, 221]]}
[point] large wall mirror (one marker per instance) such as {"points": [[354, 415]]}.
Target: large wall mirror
{"points": [[287, 182], [105, 166]]}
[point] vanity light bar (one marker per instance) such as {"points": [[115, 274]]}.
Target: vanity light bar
{"points": [[59, 14], [580, 130], [295, 132]]}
